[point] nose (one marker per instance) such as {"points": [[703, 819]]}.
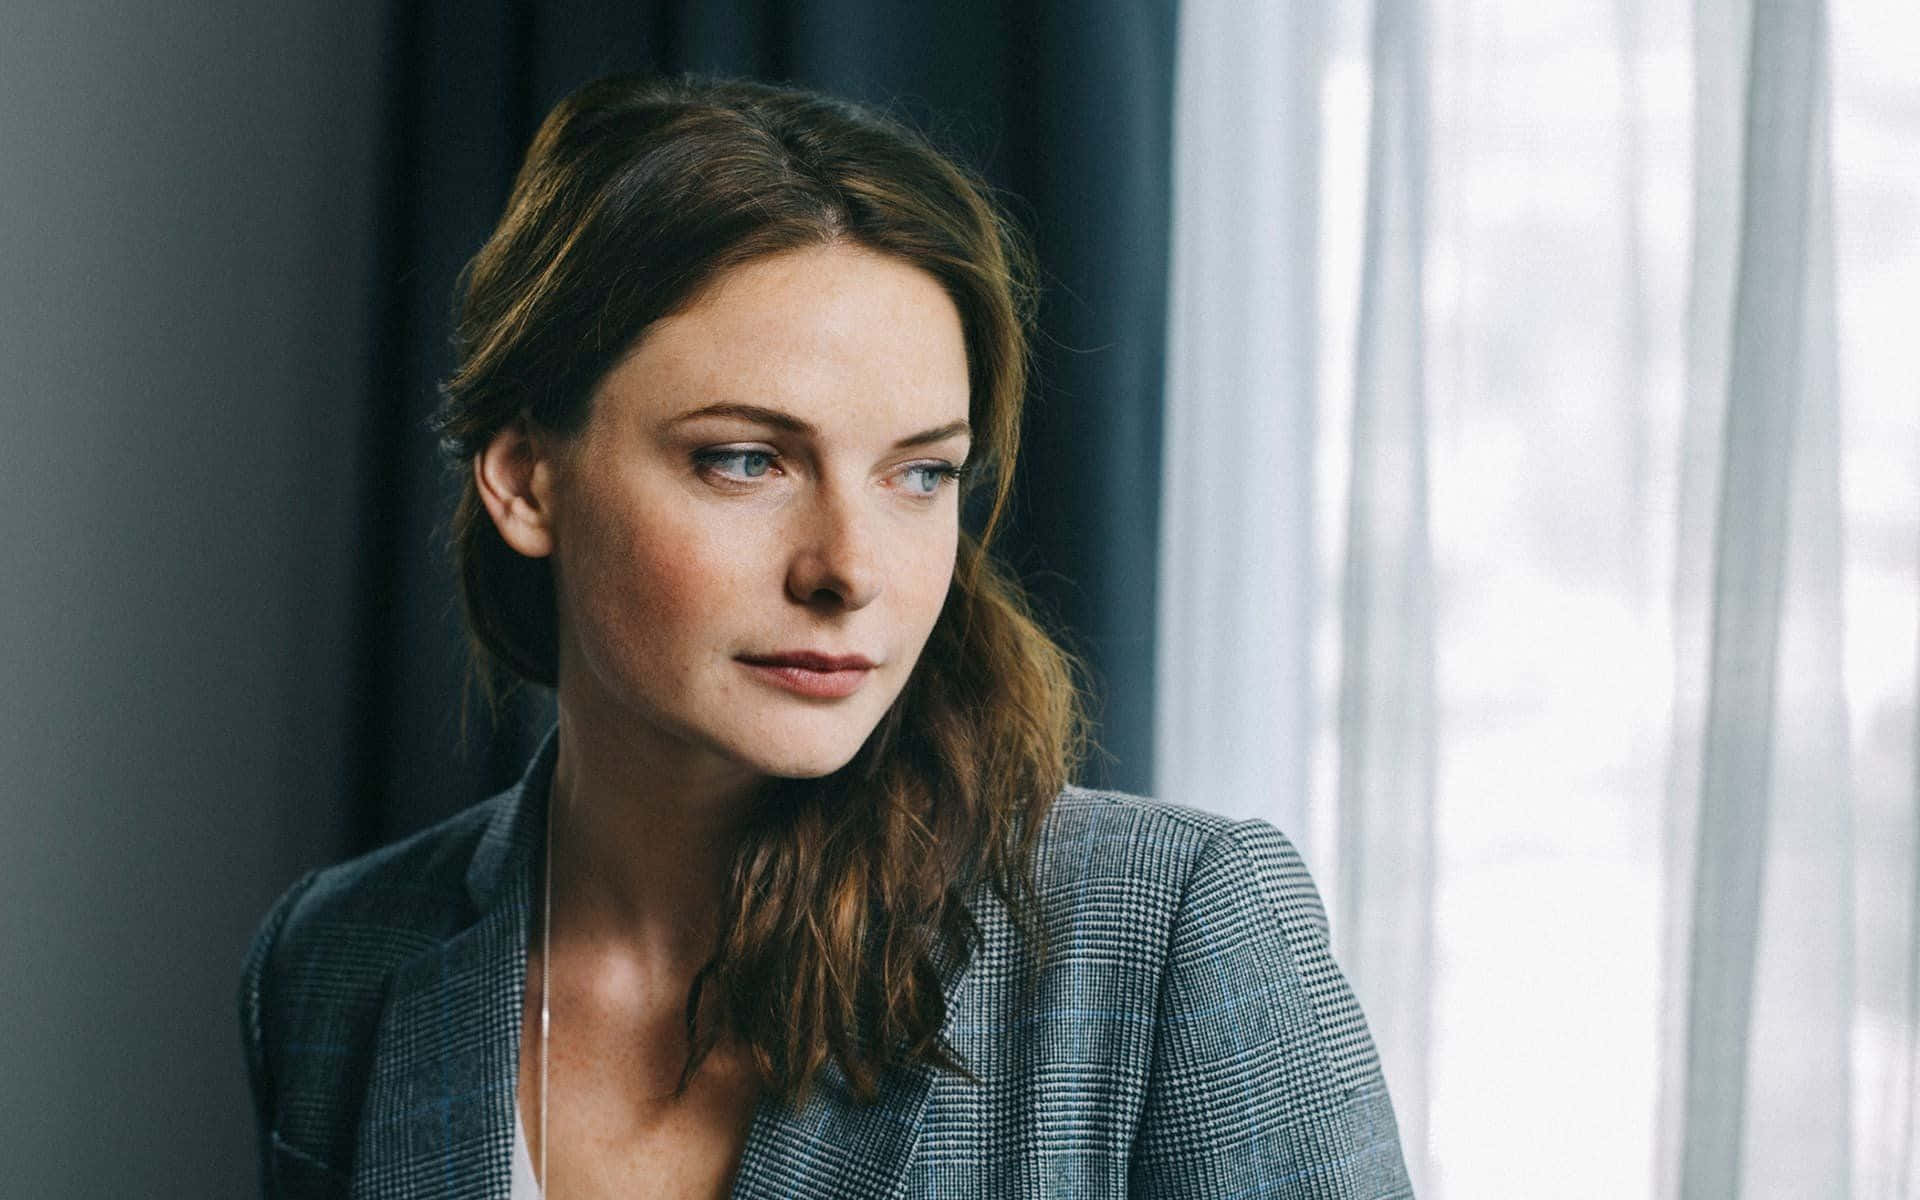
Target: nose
{"points": [[835, 560]]}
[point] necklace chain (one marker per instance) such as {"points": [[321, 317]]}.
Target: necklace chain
{"points": [[546, 991]]}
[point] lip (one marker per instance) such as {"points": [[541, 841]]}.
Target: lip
{"points": [[812, 674], [811, 660]]}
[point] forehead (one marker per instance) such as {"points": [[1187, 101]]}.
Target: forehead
{"points": [[844, 338]]}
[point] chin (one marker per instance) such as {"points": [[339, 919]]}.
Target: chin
{"points": [[797, 741], [808, 757], [801, 765]]}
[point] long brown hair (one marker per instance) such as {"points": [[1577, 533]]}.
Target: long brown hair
{"points": [[850, 894]]}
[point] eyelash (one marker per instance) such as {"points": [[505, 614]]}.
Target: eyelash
{"points": [[711, 459]]}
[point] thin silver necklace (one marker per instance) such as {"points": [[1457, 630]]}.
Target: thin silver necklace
{"points": [[546, 991]]}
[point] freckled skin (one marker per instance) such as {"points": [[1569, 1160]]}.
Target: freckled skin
{"points": [[667, 567], [664, 576]]}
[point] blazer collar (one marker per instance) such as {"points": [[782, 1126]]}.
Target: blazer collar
{"points": [[440, 1112], [516, 830]]}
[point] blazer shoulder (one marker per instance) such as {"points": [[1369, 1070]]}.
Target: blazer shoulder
{"points": [[1090, 833], [342, 928], [1261, 1073], [1108, 861], [417, 884], [317, 971], [331, 940]]}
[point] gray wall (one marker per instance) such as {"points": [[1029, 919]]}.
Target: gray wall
{"points": [[186, 210]]}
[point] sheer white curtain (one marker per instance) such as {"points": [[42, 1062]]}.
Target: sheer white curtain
{"points": [[1542, 550], [1237, 582], [1759, 1004]]}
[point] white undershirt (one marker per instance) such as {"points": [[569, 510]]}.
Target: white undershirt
{"points": [[525, 1186]]}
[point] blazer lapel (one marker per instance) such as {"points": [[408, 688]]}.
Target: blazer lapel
{"points": [[440, 1111], [836, 1147]]}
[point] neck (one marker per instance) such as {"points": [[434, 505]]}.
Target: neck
{"points": [[644, 836]]}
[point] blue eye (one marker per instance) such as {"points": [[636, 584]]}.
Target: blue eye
{"points": [[931, 476], [738, 466], [752, 464]]}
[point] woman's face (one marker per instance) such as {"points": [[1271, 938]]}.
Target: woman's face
{"points": [[766, 477]]}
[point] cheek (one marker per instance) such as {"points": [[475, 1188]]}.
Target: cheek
{"points": [[925, 575], [656, 590]]}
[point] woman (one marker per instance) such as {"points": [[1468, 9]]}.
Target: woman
{"points": [[795, 899]]}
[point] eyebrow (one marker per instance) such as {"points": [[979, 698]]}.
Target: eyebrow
{"points": [[787, 421]]}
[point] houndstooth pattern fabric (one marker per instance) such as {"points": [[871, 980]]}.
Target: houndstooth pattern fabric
{"points": [[1187, 1034]]}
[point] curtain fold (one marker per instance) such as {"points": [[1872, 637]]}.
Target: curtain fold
{"points": [[1902, 1147], [1719, 60], [1757, 1079], [1638, 346], [1387, 734], [1234, 695]]}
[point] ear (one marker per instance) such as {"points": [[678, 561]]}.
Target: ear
{"points": [[515, 476]]}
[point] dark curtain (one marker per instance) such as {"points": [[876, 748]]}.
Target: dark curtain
{"points": [[1065, 104]]}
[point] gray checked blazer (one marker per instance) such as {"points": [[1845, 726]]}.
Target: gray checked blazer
{"points": [[1188, 1035]]}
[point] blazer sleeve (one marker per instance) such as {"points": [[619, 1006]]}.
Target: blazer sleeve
{"points": [[1264, 1080], [254, 988]]}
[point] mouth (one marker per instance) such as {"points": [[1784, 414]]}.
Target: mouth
{"points": [[806, 673], [811, 660]]}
